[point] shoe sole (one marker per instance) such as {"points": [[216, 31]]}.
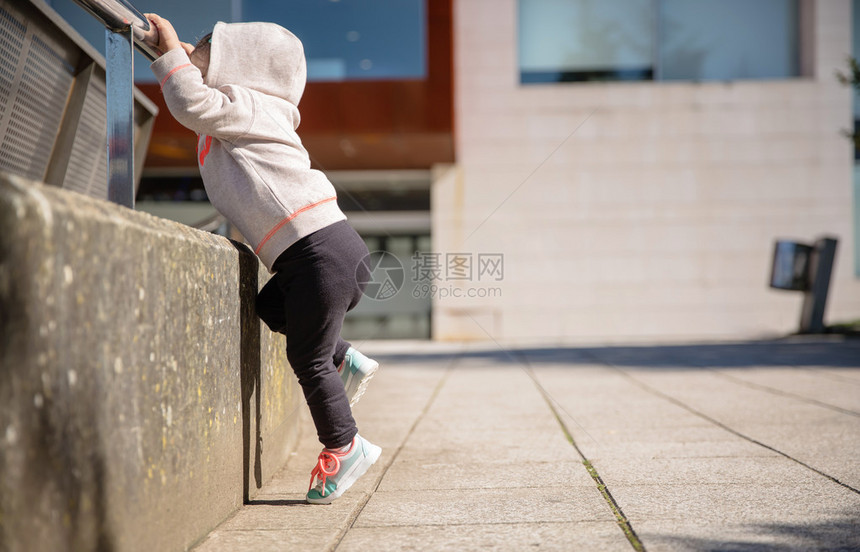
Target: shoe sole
{"points": [[356, 390], [358, 469]]}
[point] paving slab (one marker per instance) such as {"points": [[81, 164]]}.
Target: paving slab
{"points": [[483, 506], [842, 375], [802, 383], [734, 505], [560, 536], [832, 448], [488, 451], [810, 433], [668, 465], [666, 442], [407, 475], [490, 399], [589, 400], [439, 443], [706, 391], [686, 535], [268, 540], [475, 458], [706, 471]]}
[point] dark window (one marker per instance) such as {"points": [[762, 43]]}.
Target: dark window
{"points": [[698, 40]]}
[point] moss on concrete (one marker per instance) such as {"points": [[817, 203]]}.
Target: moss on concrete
{"points": [[142, 400]]}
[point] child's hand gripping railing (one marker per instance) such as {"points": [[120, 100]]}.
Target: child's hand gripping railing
{"points": [[125, 27]]}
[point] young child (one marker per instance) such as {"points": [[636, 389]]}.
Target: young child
{"points": [[239, 89]]}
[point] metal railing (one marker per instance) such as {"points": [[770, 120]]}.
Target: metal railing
{"points": [[117, 16], [125, 26], [124, 29]]}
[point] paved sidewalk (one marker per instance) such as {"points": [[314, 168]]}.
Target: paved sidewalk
{"points": [[744, 446]]}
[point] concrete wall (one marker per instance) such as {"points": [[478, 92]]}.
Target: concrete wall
{"points": [[141, 398], [641, 210]]}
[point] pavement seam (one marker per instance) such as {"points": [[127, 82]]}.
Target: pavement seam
{"points": [[491, 524], [361, 505], [828, 374], [620, 519], [525, 365], [781, 393], [721, 425]]}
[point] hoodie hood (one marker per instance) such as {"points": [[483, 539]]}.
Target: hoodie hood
{"points": [[261, 56]]}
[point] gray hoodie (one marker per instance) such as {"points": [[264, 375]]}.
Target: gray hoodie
{"points": [[254, 167]]}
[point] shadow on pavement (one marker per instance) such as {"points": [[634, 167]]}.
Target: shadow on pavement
{"points": [[812, 352], [836, 535], [278, 502]]}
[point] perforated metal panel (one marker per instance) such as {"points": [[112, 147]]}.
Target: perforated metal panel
{"points": [[53, 124], [11, 43], [34, 97], [12, 34], [87, 170]]}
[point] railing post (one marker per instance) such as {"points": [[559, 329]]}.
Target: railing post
{"points": [[120, 115], [121, 21]]}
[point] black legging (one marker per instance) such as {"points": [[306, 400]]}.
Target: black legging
{"points": [[317, 280]]}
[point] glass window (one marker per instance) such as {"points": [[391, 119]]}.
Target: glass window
{"points": [[343, 39], [578, 40], [564, 40], [352, 39], [728, 40]]}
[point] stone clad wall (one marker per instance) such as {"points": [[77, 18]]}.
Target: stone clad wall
{"points": [[141, 399]]}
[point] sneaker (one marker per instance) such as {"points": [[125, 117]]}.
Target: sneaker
{"points": [[335, 471], [356, 370]]}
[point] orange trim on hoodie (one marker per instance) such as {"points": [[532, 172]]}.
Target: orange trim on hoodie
{"points": [[204, 151], [281, 224], [170, 74]]}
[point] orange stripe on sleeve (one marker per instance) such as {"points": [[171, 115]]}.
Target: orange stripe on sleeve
{"points": [[288, 219], [170, 74]]}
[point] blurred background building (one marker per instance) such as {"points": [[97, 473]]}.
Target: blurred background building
{"points": [[561, 169]]}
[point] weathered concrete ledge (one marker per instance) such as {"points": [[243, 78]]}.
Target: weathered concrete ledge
{"points": [[141, 400]]}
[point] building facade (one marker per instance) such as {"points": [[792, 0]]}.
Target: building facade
{"points": [[640, 209]]}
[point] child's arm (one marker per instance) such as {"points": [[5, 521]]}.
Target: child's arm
{"points": [[223, 113]]}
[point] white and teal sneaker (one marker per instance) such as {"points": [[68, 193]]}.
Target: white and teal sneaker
{"points": [[356, 370], [335, 471]]}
